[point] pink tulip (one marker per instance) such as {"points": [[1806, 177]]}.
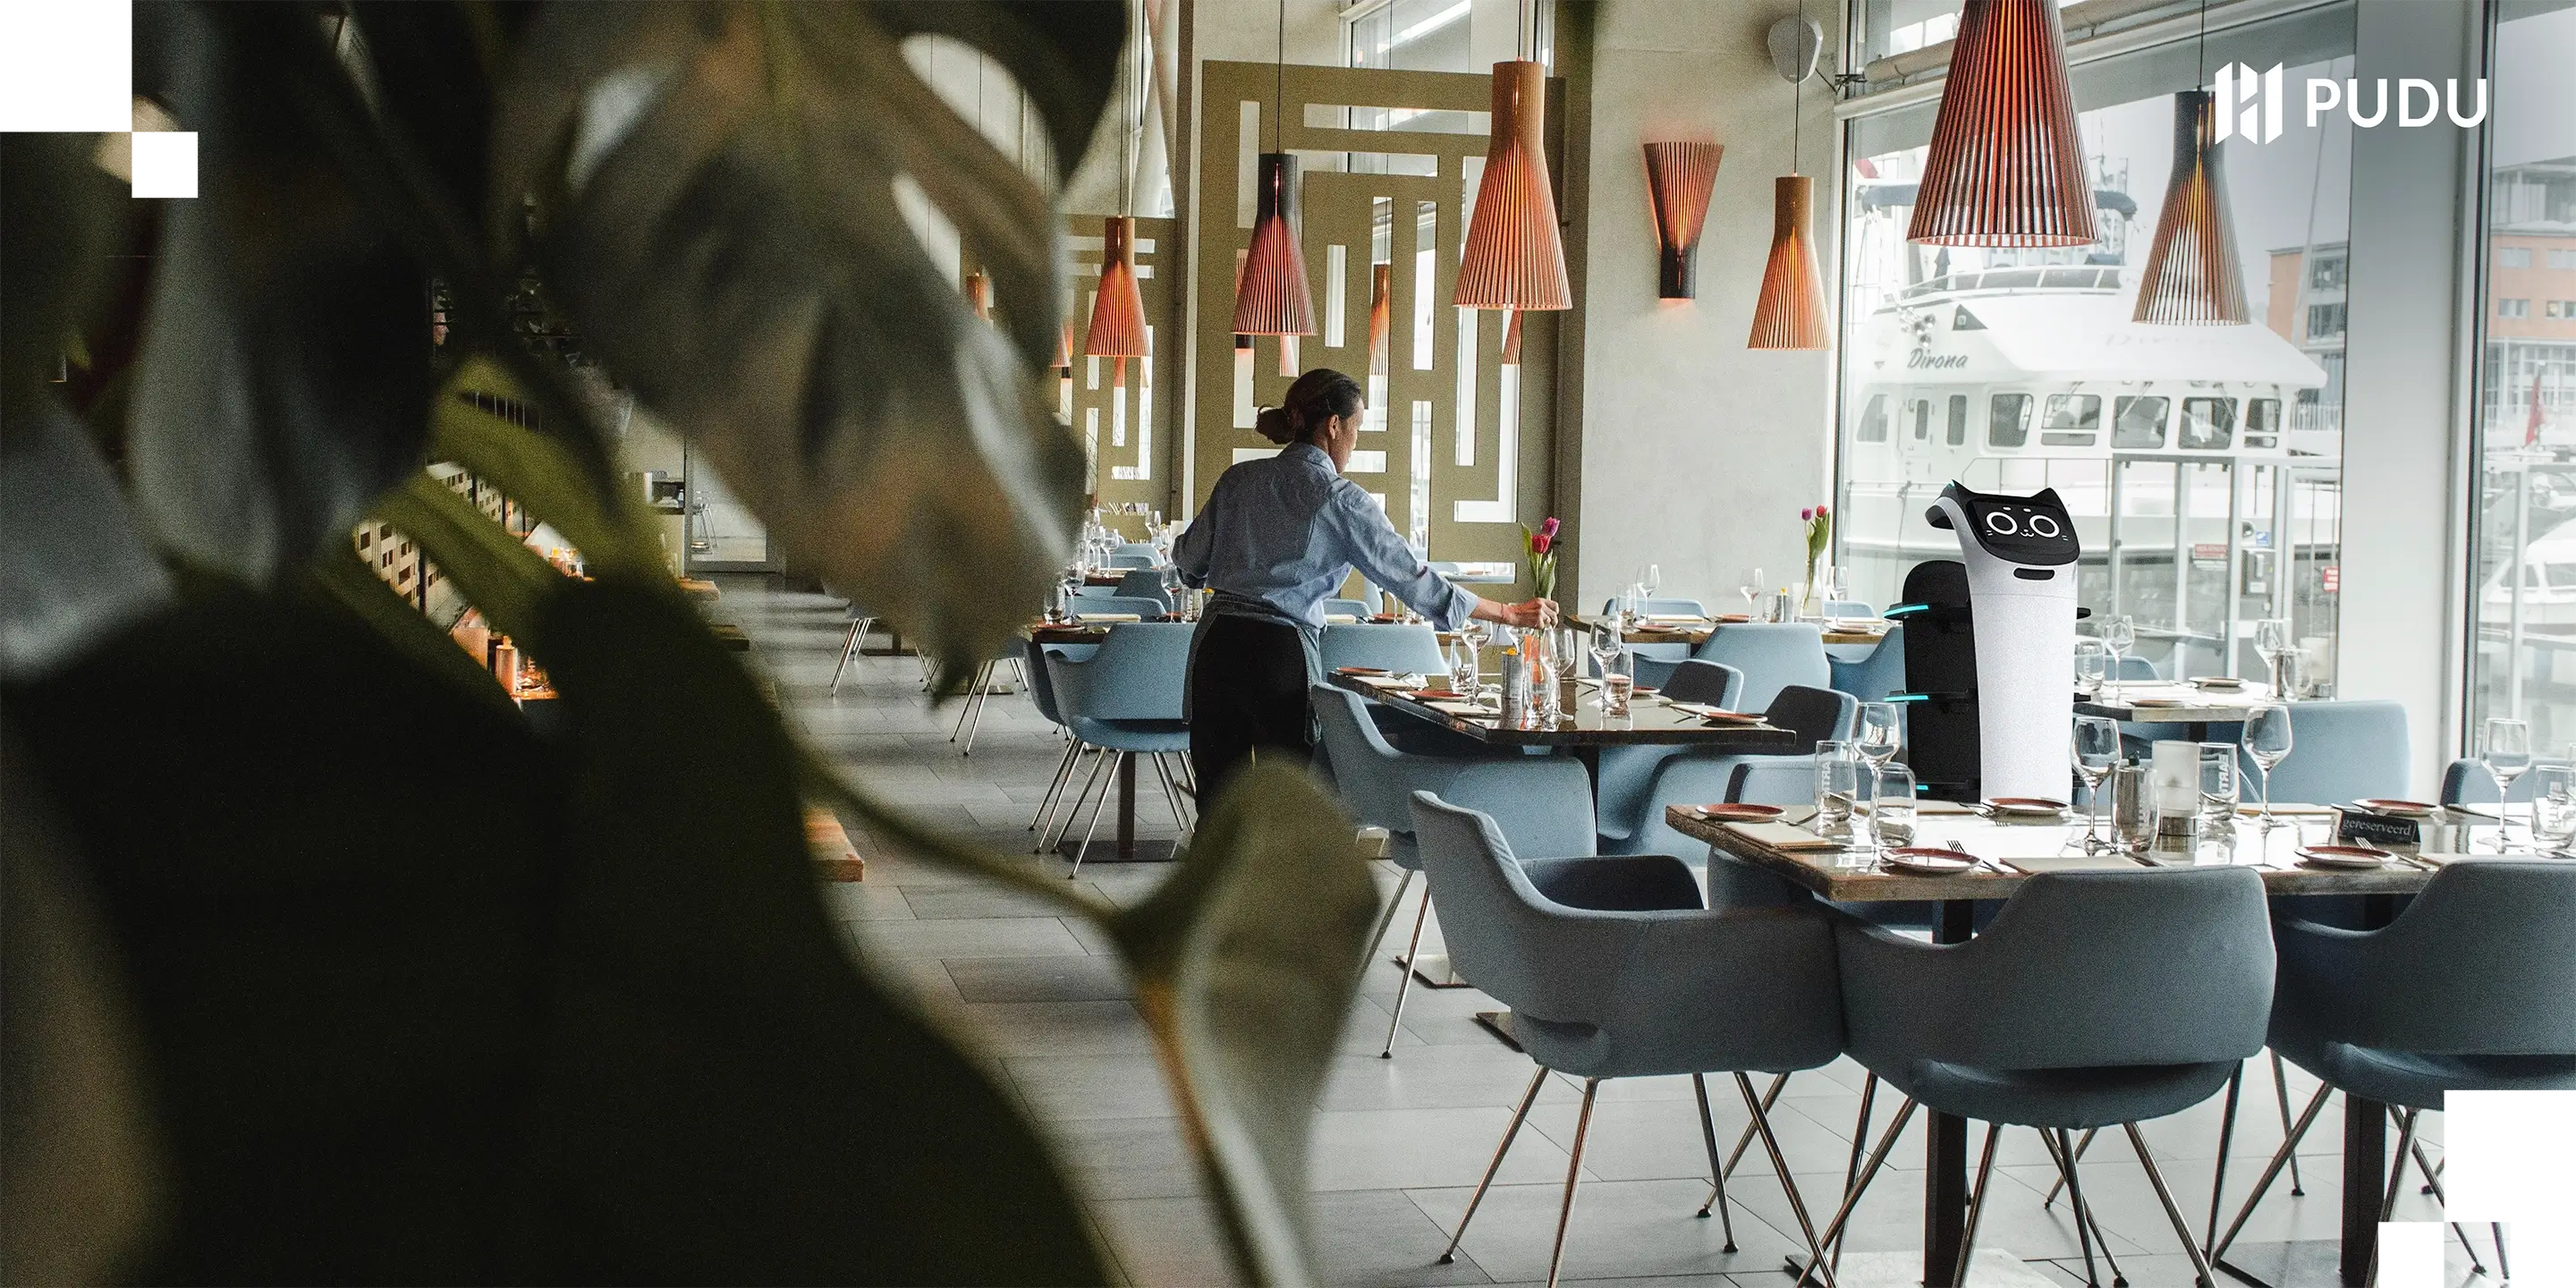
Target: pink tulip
{"points": [[1807, 514], [1548, 529]]}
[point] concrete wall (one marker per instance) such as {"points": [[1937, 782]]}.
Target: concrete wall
{"points": [[1681, 446]]}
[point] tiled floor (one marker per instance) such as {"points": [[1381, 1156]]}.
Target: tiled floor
{"points": [[1398, 1144]]}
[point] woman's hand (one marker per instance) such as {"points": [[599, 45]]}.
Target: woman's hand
{"points": [[1529, 614]]}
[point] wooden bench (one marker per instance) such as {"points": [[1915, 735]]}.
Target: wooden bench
{"points": [[835, 859]]}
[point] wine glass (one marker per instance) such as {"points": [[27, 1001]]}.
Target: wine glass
{"points": [[2092, 666], [2553, 807], [2267, 744], [1891, 808], [2096, 752], [1837, 589], [1606, 648], [1462, 666], [1172, 586], [2272, 642], [1879, 738], [1750, 586], [1651, 579], [2119, 635], [2506, 751]]}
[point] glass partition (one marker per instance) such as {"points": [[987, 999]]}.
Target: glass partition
{"points": [[2203, 465], [2522, 654]]}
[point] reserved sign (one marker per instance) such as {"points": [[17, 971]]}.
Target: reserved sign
{"points": [[2354, 827]]}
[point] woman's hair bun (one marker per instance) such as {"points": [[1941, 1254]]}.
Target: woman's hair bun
{"points": [[1273, 424]]}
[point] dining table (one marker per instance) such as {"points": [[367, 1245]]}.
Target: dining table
{"points": [[1846, 639], [2189, 707], [2011, 852]]}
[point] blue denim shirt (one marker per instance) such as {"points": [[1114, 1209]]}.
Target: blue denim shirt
{"points": [[1284, 532]]}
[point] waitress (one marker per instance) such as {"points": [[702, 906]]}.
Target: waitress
{"points": [[1276, 539]]}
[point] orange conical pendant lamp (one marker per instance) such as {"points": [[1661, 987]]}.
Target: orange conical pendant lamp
{"points": [[1117, 311], [1790, 313], [1513, 259], [1678, 178], [2192, 277], [1271, 298], [2006, 166], [1381, 314], [979, 294]]}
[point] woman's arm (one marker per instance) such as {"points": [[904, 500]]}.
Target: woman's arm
{"points": [[1528, 614], [1373, 546]]}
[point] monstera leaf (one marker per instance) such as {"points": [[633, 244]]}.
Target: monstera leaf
{"points": [[716, 206]]}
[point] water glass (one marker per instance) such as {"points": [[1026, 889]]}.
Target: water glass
{"points": [[2096, 752], [1891, 808], [2218, 788], [2553, 807], [2133, 809], [1616, 684], [1837, 787], [1836, 589], [2092, 667], [1784, 607], [2267, 743], [2273, 642]]}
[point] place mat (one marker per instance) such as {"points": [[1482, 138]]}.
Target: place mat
{"points": [[1469, 709], [1784, 836], [1943, 807], [2038, 863]]}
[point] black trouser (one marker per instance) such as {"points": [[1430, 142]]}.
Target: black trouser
{"points": [[1247, 697]]}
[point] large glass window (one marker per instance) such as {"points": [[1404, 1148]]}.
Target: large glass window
{"points": [[2201, 508], [2523, 643]]}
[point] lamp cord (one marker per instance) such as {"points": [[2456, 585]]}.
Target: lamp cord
{"points": [[1279, 84], [1796, 123]]}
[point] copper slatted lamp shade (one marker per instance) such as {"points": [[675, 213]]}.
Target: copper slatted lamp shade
{"points": [[1381, 314], [1117, 311], [2192, 276], [1678, 178], [1790, 313], [1271, 295], [2006, 166], [979, 294], [1513, 259]]}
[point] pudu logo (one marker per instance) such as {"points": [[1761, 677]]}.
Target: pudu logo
{"points": [[2249, 102]]}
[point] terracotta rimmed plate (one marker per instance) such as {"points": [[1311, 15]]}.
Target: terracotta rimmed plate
{"points": [[1437, 695], [1362, 670], [2343, 856], [1731, 717], [2026, 806], [1733, 812], [1922, 862], [2397, 808], [2218, 682]]}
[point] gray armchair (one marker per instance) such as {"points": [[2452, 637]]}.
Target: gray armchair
{"points": [[2092, 999], [1613, 969]]}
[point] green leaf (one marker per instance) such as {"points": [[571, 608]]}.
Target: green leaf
{"points": [[86, 1174], [73, 569], [286, 353], [717, 200], [60, 219], [1245, 964], [1063, 52], [494, 572], [538, 472], [347, 580], [726, 1100]]}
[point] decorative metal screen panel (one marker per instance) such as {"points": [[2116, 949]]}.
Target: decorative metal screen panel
{"points": [[1456, 444], [1127, 431]]}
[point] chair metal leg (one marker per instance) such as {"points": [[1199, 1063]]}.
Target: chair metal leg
{"points": [[2281, 1087], [1172, 796], [974, 690], [2062, 1148], [849, 649], [1098, 808], [1976, 1203], [1745, 1137], [2289, 1149], [2082, 1143], [1404, 987], [1716, 1169], [2504, 1270], [1530, 1097], [1387, 918], [1860, 1131], [2396, 1178], [1851, 1196], [1073, 809], [1573, 1174], [1788, 1184], [2226, 1136], [983, 699], [1063, 770], [2433, 1186], [2173, 1210]]}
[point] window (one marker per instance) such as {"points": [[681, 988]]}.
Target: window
{"points": [[2516, 308], [2562, 259], [2262, 422], [2326, 274], [1958, 420], [2008, 420], [2073, 420], [2138, 422], [2549, 309], [2513, 257], [2208, 424], [2325, 321], [1873, 422], [1922, 419]]}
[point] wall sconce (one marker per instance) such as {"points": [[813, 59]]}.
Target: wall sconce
{"points": [[1678, 179]]}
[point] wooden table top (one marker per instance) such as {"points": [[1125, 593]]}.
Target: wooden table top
{"points": [[1858, 632], [1648, 722], [1851, 875], [2176, 703]]}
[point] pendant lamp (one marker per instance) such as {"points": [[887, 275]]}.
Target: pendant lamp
{"points": [[2192, 278], [1272, 298], [1117, 311], [1513, 259], [1790, 313], [1381, 314], [1678, 178], [979, 294], [2006, 167]]}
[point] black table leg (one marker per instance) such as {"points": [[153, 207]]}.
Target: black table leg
{"points": [[1945, 1182], [2365, 1146]]}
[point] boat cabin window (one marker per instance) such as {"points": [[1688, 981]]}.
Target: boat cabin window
{"points": [[1922, 419], [2262, 422], [1958, 420], [2007, 420], [2073, 420], [2207, 424], [2138, 422], [1873, 420], [2560, 574]]}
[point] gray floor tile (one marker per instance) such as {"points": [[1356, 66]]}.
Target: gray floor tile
{"points": [[1040, 979], [1061, 1028], [1164, 1241], [1126, 1158], [1407, 1148], [878, 899], [1062, 1087], [999, 937], [1620, 1228], [1381, 1238]]}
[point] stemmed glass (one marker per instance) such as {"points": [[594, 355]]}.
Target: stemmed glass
{"points": [[1751, 589], [1606, 647], [2092, 666], [1462, 666], [2273, 643], [1651, 579], [2096, 752], [2553, 807], [2267, 744], [1172, 586], [1565, 651], [2119, 635], [1837, 589], [2506, 752], [1878, 737]]}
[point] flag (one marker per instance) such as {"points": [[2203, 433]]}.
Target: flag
{"points": [[2531, 428]]}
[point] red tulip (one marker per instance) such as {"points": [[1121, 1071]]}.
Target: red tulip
{"points": [[1540, 543]]}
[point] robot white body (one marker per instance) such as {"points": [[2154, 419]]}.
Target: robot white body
{"points": [[2020, 553]]}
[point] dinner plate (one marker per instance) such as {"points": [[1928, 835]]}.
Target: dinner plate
{"points": [[2218, 682], [1429, 694], [1921, 862], [1732, 812], [2161, 702], [2342, 856], [1363, 670], [1730, 717], [2397, 808], [2026, 806]]}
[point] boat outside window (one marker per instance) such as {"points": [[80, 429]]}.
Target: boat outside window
{"points": [[2138, 423], [2008, 420], [1873, 421], [1958, 419], [2208, 424], [1922, 419], [2073, 420]]}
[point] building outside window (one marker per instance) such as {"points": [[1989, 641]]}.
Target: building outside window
{"points": [[2522, 658], [2204, 508]]}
